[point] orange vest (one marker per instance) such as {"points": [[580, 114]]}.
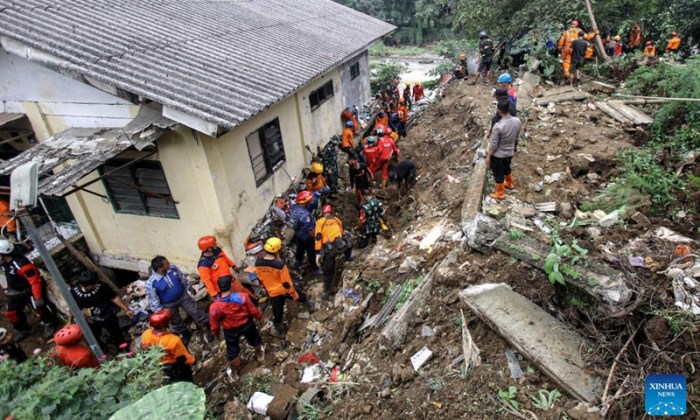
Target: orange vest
{"points": [[650, 51], [274, 276], [382, 121], [171, 344], [589, 53], [327, 230], [315, 183], [673, 44], [403, 112], [5, 217], [348, 138]]}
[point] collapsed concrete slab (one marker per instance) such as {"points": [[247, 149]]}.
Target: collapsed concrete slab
{"points": [[479, 229], [606, 285], [538, 336], [561, 94]]}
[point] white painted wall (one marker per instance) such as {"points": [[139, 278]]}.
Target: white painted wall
{"points": [[59, 100]]}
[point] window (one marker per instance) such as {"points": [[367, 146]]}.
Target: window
{"points": [[321, 95], [140, 188], [266, 150], [354, 71]]}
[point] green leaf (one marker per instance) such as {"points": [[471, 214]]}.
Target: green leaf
{"points": [[181, 400]]}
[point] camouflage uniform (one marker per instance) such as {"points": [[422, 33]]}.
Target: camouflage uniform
{"points": [[372, 210], [329, 158]]}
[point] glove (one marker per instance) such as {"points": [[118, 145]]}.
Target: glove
{"points": [[39, 303], [294, 295], [319, 260]]}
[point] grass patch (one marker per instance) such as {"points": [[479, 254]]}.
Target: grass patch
{"points": [[381, 50], [407, 289]]}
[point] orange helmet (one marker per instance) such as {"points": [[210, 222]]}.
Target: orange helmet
{"points": [[206, 242], [462, 56], [161, 318], [574, 23], [402, 100], [68, 335], [304, 197]]}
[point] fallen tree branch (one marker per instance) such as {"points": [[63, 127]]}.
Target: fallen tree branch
{"points": [[605, 406]]}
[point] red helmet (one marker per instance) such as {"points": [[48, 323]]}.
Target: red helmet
{"points": [[206, 242], [304, 197], [574, 23], [161, 319], [674, 33], [327, 209], [388, 131], [649, 43], [68, 335]]}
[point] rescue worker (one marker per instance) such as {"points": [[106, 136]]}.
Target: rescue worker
{"points": [[303, 223], [635, 39], [403, 117], [387, 149], [329, 244], [234, 313], [485, 57], [502, 147], [372, 152], [618, 46], [461, 70], [348, 116], [9, 348], [395, 94], [70, 352], [25, 287], [329, 159], [102, 305], [674, 43], [8, 225], [650, 50], [348, 141], [382, 120], [589, 53], [214, 263], [371, 213], [505, 93], [564, 45], [177, 360], [167, 288], [315, 181], [404, 174], [578, 57], [360, 177], [407, 95], [275, 278], [417, 91]]}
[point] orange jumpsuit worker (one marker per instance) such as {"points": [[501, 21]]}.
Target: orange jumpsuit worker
{"points": [[347, 143], [177, 361], [214, 263], [70, 352], [417, 92], [650, 50], [348, 115], [328, 229], [315, 179], [636, 36], [7, 222], [387, 147], [567, 38], [674, 43]]}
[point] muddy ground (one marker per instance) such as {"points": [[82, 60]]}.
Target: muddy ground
{"points": [[573, 139]]}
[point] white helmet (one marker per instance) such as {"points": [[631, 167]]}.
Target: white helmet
{"points": [[6, 247], [3, 334]]}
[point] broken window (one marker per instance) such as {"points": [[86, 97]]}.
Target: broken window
{"points": [[266, 150], [140, 188], [354, 71], [321, 95]]}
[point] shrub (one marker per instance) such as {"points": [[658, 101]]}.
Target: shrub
{"points": [[382, 74]]}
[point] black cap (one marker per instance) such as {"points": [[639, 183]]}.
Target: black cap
{"points": [[87, 277], [224, 283]]}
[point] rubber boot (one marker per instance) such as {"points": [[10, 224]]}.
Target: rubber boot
{"points": [[278, 330], [260, 353], [508, 184], [232, 370], [500, 193]]}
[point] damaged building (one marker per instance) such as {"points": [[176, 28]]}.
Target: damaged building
{"points": [[162, 122]]}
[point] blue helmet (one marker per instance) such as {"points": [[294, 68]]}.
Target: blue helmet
{"points": [[348, 123], [371, 139], [504, 78]]}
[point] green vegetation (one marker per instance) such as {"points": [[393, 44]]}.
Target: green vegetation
{"points": [[507, 397], [257, 382], [38, 388], [515, 234], [677, 320], [181, 400], [556, 265], [407, 288], [379, 49], [545, 399], [382, 75]]}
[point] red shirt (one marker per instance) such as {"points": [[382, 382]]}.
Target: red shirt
{"points": [[232, 311], [77, 356], [386, 146], [371, 155], [417, 93]]}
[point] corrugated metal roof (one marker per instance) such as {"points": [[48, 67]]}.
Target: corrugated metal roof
{"points": [[220, 60], [70, 155]]}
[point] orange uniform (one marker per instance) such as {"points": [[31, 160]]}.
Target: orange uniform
{"points": [[673, 44], [315, 183], [171, 344], [403, 112], [383, 121], [348, 139], [215, 266], [650, 51], [567, 38], [274, 276], [327, 230], [346, 116], [589, 53], [7, 222]]}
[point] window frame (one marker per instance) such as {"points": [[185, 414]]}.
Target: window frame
{"points": [[319, 96], [272, 150], [355, 70], [131, 169]]}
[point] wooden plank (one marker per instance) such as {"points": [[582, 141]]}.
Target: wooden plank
{"points": [[637, 117], [612, 112], [557, 91], [562, 97], [538, 336], [597, 86]]}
